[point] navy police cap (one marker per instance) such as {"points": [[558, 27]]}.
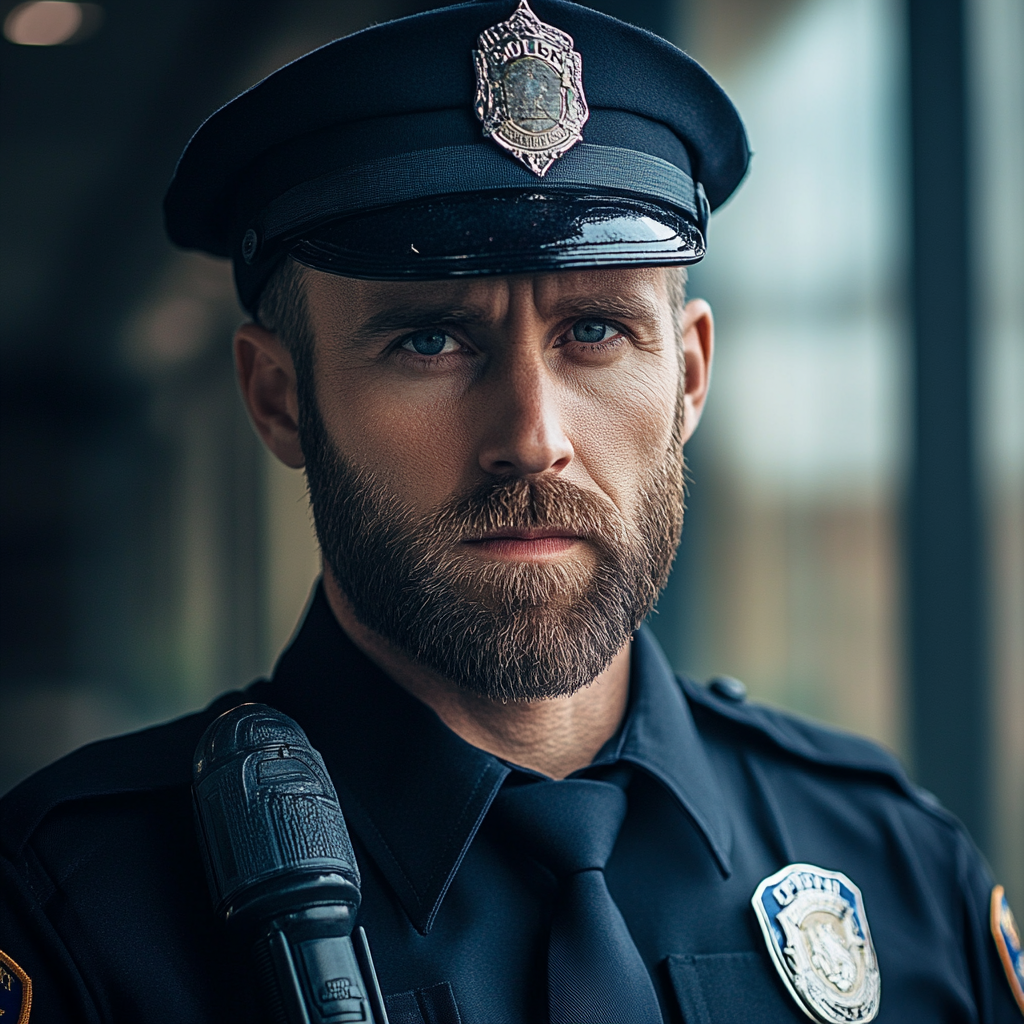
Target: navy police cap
{"points": [[491, 137]]}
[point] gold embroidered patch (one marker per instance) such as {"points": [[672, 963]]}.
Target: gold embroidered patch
{"points": [[1007, 939], [15, 991]]}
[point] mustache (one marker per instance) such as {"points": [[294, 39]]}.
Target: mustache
{"points": [[518, 503]]}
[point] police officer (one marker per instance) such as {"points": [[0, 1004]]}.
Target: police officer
{"points": [[461, 237]]}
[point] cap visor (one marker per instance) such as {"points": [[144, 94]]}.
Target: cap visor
{"points": [[500, 233]]}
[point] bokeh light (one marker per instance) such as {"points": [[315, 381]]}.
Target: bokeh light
{"points": [[51, 23]]}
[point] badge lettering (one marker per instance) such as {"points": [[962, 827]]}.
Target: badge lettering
{"points": [[786, 892]]}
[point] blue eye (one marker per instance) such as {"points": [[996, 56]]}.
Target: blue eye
{"points": [[428, 343], [591, 331]]}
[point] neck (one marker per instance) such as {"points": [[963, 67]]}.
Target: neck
{"points": [[556, 736]]}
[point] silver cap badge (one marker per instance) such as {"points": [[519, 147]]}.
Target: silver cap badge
{"points": [[529, 89], [817, 933]]}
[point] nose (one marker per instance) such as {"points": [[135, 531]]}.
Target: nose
{"points": [[524, 433]]}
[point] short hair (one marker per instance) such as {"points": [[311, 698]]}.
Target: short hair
{"points": [[284, 309]]}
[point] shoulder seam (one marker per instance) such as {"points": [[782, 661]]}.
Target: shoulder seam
{"points": [[36, 877], [760, 719], [68, 780]]}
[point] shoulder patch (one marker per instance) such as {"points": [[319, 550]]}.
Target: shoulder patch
{"points": [[15, 991], [1007, 939]]}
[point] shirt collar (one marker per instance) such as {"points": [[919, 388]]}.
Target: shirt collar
{"points": [[661, 737], [415, 793]]}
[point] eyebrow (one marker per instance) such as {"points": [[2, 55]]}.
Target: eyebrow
{"points": [[634, 308], [397, 318]]}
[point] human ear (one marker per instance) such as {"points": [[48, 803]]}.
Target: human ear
{"points": [[698, 348], [266, 378]]}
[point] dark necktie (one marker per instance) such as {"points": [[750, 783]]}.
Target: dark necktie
{"points": [[595, 973]]}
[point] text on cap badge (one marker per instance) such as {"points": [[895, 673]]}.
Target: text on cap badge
{"points": [[817, 933], [529, 89]]}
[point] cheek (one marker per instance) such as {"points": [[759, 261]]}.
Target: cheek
{"points": [[624, 426], [414, 439]]}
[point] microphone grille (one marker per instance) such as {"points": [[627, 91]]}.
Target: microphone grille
{"points": [[268, 813]]}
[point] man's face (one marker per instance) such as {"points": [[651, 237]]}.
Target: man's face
{"points": [[496, 466]]}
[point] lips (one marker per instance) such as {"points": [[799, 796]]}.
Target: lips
{"points": [[525, 535], [525, 544]]}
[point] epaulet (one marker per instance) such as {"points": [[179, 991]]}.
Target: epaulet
{"points": [[155, 758], [811, 741]]}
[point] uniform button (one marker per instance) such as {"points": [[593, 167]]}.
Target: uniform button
{"points": [[729, 688]]}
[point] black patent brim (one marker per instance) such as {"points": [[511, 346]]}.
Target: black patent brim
{"points": [[501, 233]]}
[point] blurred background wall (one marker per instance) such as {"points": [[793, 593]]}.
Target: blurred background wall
{"points": [[153, 555]]}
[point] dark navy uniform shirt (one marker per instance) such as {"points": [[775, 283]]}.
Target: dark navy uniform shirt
{"points": [[105, 906]]}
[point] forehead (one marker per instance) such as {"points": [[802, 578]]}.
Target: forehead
{"points": [[492, 297]]}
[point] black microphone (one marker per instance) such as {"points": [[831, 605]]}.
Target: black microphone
{"points": [[281, 868]]}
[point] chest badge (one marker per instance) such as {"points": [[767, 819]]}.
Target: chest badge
{"points": [[817, 933], [15, 991], [529, 89]]}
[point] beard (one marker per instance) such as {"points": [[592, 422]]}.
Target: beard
{"points": [[511, 632]]}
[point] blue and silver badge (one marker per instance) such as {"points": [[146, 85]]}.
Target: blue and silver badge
{"points": [[529, 89], [817, 933]]}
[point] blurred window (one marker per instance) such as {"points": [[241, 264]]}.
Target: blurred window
{"points": [[797, 466]]}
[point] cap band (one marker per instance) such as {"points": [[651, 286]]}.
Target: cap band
{"points": [[451, 170]]}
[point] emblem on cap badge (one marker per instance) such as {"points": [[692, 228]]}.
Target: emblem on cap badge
{"points": [[817, 933], [529, 89]]}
